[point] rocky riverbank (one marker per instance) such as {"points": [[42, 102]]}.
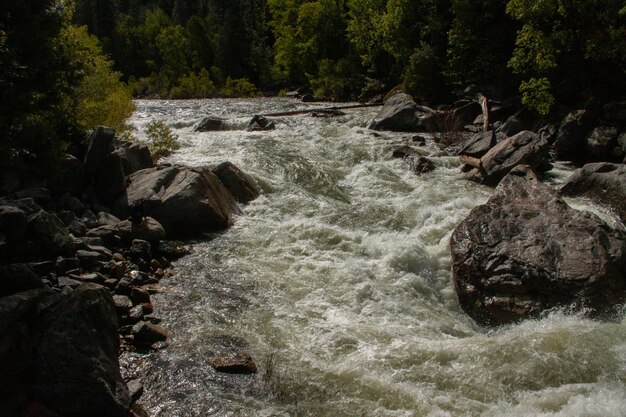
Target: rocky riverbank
{"points": [[526, 251], [77, 275]]}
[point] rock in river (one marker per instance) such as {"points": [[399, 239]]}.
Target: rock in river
{"points": [[526, 251]]}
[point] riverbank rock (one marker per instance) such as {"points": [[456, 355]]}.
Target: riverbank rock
{"points": [[60, 353], [525, 148], [526, 251], [135, 156], [401, 114], [602, 182], [240, 184], [186, 201], [569, 142], [234, 364]]}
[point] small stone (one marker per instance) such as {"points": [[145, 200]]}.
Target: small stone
{"points": [[135, 388], [89, 259], [234, 364], [118, 257], [148, 308], [147, 333], [110, 283], [154, 264], [122, 303], [140, 249], [138, 296], [135, 314]]}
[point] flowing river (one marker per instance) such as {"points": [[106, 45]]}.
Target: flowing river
{"points": [[337, 281]]}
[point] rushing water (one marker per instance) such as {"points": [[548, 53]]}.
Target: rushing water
{"points": [[337, 281]]}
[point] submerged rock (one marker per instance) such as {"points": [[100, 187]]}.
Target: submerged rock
{"points": [[240, 184], [234, 364], [210, 123], [526, 251]]}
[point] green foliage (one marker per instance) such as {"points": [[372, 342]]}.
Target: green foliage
{"points": [[162, 140], [336, 79], [100, 98], [241, 87], [194, 86], [423, 78], [569, 47], [536, 94]]}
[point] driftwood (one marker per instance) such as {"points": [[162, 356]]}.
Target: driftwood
{"points": [[484, 103], [470, 160], [320, 109]]}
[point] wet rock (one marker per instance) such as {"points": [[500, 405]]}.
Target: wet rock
{"points": [[419, 164], [210, 123], [240, 184], [401, 114], [16, 278], [602, 182], [260, 123], [525, 148], [135, 388], [172, 250], [146, 334], [234, 364], [526, 251], [480, 143], [186, 201], [402, 152]]}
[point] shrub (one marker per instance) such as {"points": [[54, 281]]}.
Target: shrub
{"points": [[194, 86], [240, 87], [162, 140]]}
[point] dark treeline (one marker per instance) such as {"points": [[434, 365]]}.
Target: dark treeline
{"points": [[547, 50], [69, 65]]}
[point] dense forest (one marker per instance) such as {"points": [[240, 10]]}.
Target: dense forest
{"points": [[67, 65]]}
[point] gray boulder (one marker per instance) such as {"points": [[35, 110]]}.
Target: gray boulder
{"points": [[186, 201], [526, 251], [480, 143], [110, 181], [76, 368], [16, 278], [525, 148], [401, 114], [601, 142], [210, 123], [468, 112], [135, 156], [569, 143], [100, 145], [259, 124], [602, 182], [240, 184]]}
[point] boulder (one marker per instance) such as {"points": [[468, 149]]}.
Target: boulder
{"points": [[526, 148], [419, 164], [146, 333], [110, 181], [47, 236], [569, 143], [100, 145], [240, 184], [186, 201], [67, 177], [468, 112], [16, 278], [514, 125], [149, 229], [602, 182], [76, 368], [601, 142], [260, 123], [480, 143], [210, 123], [400, 113], [135, 156], [615, 113], [234, 364], [526, 251], [107, 219]]}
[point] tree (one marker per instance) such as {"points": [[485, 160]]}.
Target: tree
{"points": [[569, 49]]}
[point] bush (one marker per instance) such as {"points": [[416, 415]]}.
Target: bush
{"points": [[240, 87], [194, 86], [162, 140]]}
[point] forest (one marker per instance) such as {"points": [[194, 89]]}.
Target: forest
{"points": [[68, 65]]}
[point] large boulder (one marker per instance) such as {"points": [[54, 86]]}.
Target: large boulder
{"points": [[110, 182], [76, 368], [480, 143], [569, 143], [59, 354], [600, 142], [100, 145], [135, 156], [526, 251], [400, 113], [602, 182], [240, 184], [186, 201], [16, 278], [524, 148], [210, 123]]}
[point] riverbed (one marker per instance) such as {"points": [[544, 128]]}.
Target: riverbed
{"points": [[337, 281]]}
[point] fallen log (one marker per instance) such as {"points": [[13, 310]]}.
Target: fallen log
{"points": [[470, 160], [321, 109]]}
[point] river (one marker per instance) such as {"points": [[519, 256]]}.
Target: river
{"points": [[337, 281]]}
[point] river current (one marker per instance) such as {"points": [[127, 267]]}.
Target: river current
{"points": [[337, 281]]}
